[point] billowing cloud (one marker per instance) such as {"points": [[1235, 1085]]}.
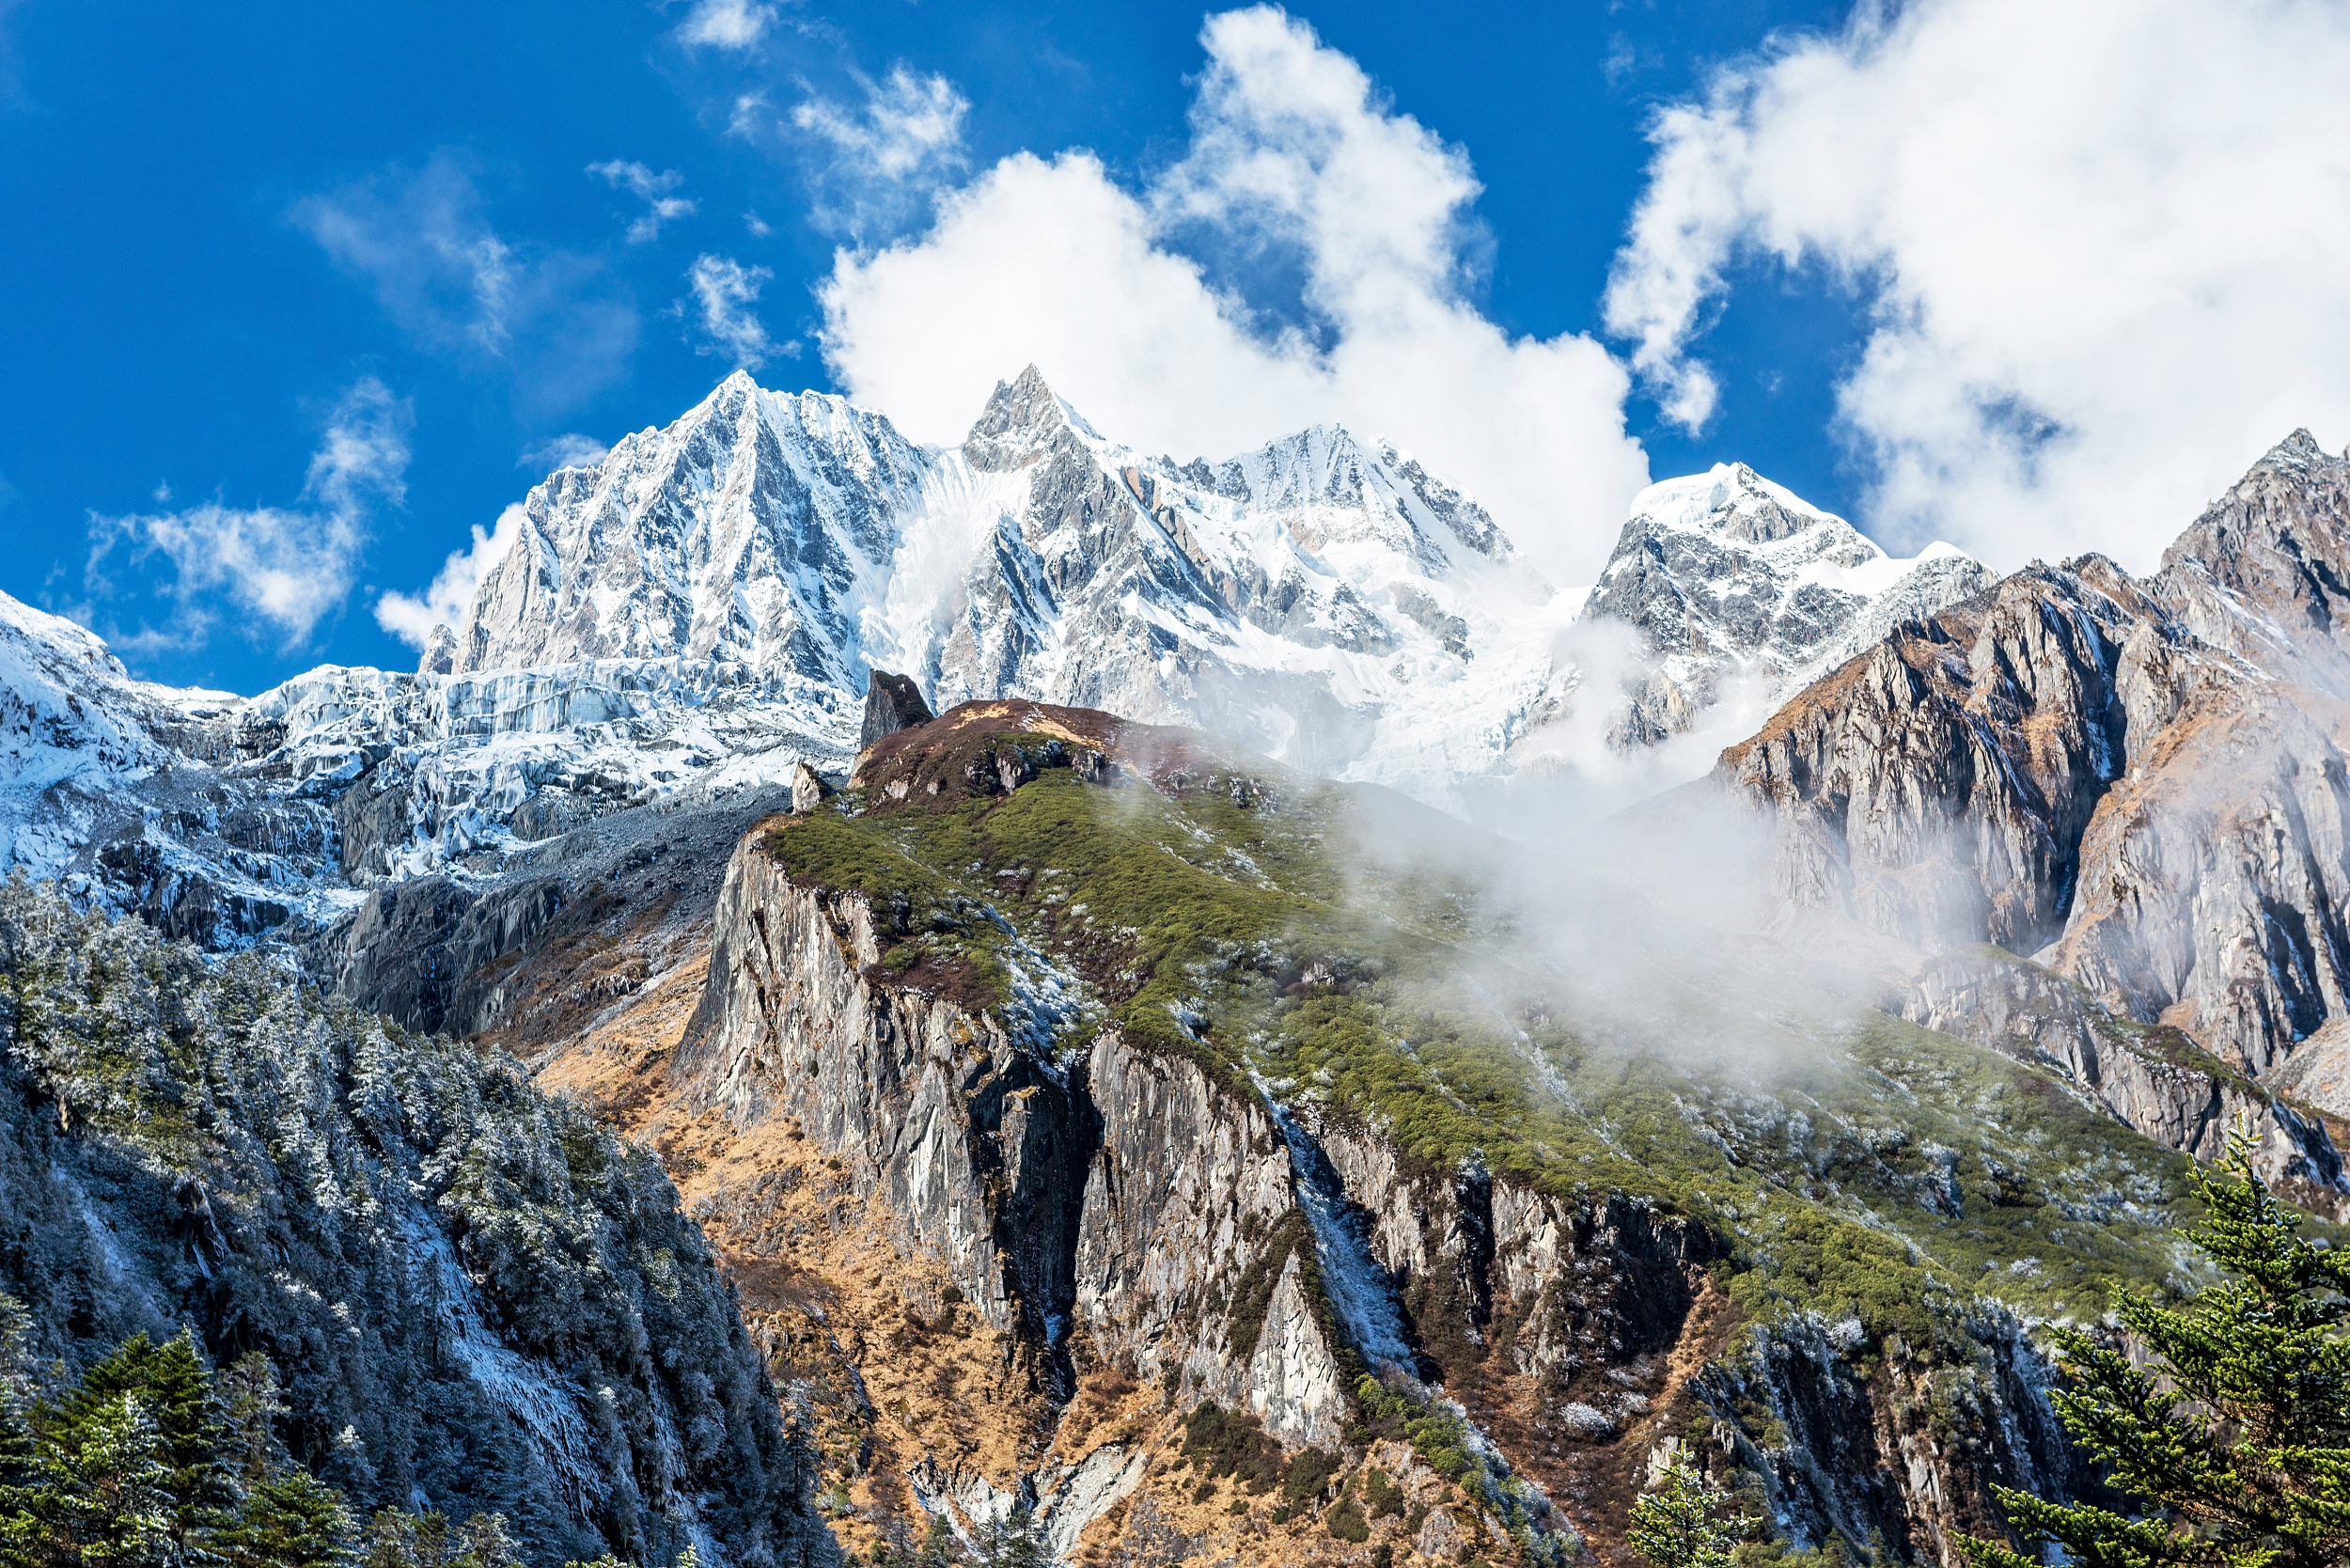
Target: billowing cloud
{"points": [[283, 567], [2101, 246], [422, 243], [725, 24], [412, 618], [1297, 168], [724, 292], [651, 188]]}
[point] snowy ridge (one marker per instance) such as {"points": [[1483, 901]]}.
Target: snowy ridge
{"points": [[696, 613]]}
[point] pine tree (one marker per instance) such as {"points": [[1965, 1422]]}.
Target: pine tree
{"points": [[397, 1540], [174, 1388], [1674, 1527], [16, 1431], [2237, 1432], [1013, 1540], [97, 1495], [938, 1544], [289, 1520]]}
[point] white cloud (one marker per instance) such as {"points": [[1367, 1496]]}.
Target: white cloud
{"points": [[445, 603], [907, 123], [871, 164], [726, 290], [570, 450], [285, 567], [651, 188], [2102, 246], [437, 267], [1293, 151], [725, 24], [759, 226], [423, 245]]}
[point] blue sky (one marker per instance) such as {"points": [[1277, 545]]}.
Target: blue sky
{"points": [[326, 282]]}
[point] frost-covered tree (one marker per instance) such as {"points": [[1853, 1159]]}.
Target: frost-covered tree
{"points": [[1680, 1524], [468, 1291]]}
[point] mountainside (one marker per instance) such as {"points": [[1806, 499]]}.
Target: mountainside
{"points": [[477, 1299], [1086, 1103], [2138, 785], [1124, 1094]]}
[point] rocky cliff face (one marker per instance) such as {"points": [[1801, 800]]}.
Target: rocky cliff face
{"points": [[1102, 1192], [2139, 784]]}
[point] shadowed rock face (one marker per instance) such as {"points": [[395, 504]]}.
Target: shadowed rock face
{"points": [[892, 702], [2142, 784]]}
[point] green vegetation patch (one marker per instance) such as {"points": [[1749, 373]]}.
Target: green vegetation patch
{"points": [[1860, 1167]]}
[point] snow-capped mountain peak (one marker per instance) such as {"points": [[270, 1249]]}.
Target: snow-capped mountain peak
{"points": [[1727, 575]]}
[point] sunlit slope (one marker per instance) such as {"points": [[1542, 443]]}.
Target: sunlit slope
{"points": [[1350, 957]]}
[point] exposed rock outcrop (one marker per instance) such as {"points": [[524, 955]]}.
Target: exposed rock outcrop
{"points": [[892, 702], [2152, 1076], [1105, 1189]]}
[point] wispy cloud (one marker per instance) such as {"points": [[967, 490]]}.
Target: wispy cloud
{"points": [[286, 568], [873, 160], [423, 242], [570, 450], [412, 618], [651, 188], [906, 124], [725, 24], [725, 290]]}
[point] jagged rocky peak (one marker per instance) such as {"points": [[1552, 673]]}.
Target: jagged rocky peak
{"points": [[2134, 783], [1727, 564], [751, 530], [1023, 415], [2265, 573]]}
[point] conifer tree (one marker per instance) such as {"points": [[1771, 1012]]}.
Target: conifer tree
{"points": [[938, 1544], [174, 1389], [1013, 1540], [1674, 1527], [97, 1494], [2236, 1433], [287, 1517]]}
